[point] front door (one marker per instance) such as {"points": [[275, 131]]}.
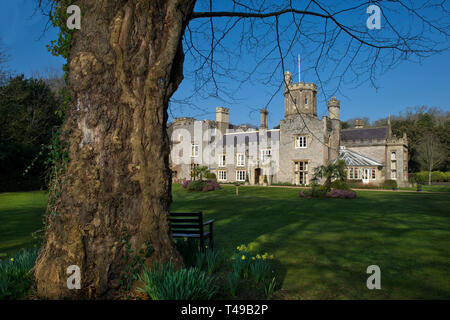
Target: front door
{"points": [[257, 174], [365, 177]]}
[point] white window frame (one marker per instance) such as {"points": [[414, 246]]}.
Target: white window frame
{"points": [[351, 173], [222, 175], [265, 154], [240, 160], [240, 175], [222, 160], [393, 155], [194, 150], [357, 174], [301, 142]]}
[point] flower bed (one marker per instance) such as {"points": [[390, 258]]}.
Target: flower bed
{"points": [[200, 185]]}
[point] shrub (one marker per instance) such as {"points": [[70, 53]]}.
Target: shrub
{"points": [[391, 184], [314, 192], [163, 282], [185, 184], [211, 176], [211, 186], [339, 184], [15, 275], [200, 185], [341, 194]]}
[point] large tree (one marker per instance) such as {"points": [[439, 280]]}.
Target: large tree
{"points": [[112, 200]]}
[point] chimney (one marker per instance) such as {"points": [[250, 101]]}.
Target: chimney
{"points": [[264, 114], [359, 124]]}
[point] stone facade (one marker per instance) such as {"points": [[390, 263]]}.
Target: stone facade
{"points": [[292, 152]]}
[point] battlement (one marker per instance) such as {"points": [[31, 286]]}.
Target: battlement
{"points": [[183, 121], [303, 85], [223, 110]]}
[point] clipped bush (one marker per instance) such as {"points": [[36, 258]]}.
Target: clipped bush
{"points": [[211, 176], [185, 184], [390, 184], [163, 282], [313, 193]]}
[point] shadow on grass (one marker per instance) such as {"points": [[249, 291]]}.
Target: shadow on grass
{"points": [[324, 246]]}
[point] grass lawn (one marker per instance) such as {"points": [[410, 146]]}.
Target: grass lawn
{"points": [[20, 215], [322, 247], [432, 188]]}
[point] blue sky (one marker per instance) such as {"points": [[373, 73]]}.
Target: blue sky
{"points": [[409, 84]]}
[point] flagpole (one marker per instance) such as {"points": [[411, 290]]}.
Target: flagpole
{"points": [[299, 69]]}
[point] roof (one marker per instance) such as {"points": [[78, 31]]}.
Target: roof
{"points": [[353, 158], [364, 133]]}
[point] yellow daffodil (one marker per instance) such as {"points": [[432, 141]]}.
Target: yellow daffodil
{"points": [[253, 258], [258, 256], [271, 256], [12, 259], [243, 257]]}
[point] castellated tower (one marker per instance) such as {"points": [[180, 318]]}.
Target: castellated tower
{"points": [[222, 119], [299, 97]]}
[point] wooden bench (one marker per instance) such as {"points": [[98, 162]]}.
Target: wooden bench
{"points": [[191, 225]]}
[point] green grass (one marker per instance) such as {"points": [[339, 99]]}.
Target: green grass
{"points": [[20, 215], [431, 188], [322, 247]]}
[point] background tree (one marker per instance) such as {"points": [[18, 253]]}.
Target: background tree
{"points": [[125, 64], [27, 122], [431, 153]]}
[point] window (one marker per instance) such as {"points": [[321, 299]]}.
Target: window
{"points": [[240, 175], [194, 150], [393, 156], [393, 174], [357, 174], [300, 142], [265, 155], [222, 160], [240, 159], [222, 175], [350, 173], [300, 172], [306, 100], [374, 174]]}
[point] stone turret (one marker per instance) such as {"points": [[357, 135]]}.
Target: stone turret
{"points": [[334, 106], [299, 97]]}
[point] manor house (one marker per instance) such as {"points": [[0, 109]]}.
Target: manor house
{"points": [[292, 152]]}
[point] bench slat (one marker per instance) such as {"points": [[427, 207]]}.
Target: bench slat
{"points": [[183, 225], [196, 220]]}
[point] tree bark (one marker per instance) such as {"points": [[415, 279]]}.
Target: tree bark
{"points": [[114, 196]]}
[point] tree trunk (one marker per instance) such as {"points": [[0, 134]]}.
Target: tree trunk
{"points": [[112, 201]]}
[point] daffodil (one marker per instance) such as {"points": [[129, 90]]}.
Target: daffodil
{"points": [[253, 258], [243, 257], [271, 256], [258, 256], [12, 259]]}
